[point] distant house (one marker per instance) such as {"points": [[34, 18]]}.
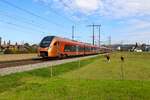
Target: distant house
{"points": [[35, 45], [119, 47], [146, 48]]}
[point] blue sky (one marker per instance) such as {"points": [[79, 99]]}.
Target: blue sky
{"points": [[126, 21]]}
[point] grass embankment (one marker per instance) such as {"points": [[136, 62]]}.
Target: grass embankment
{"points": [[94, 80]]}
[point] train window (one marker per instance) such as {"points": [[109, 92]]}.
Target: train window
{"points": [[70, 48], [73, 49], [46, 41], [80, 49], [67, 48], [87, 49], [55, 43], [93, 49]]}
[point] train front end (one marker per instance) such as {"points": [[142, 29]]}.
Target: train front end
{"points": [[46, 48]]}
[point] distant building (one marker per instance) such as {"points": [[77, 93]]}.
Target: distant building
{"points": [[118, 48], [125, 47], [145, 48], [7, 46], [148, 48]]}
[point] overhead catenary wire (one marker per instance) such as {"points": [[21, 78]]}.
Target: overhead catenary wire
{"points": [[67, 5], [19, 28], [29, 12], [27, 21], [23, 18], [31, 21], [23, 27], [10, 23], [22, 21], [70, 8], [53, 11]]}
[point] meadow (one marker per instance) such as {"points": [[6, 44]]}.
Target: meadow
{"points": [[94, 79]]}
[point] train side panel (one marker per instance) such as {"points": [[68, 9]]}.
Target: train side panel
{"points": [[64, 47]]}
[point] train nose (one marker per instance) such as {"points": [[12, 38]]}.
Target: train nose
{"points": [[43, 52]]}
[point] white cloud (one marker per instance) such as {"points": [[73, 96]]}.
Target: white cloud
{"points": [[109, 8], [136, 30], [132, 37], [115, 8], [121, 9], [135, 25], [88, 5], [124, 8], [46, 1], [35, 0]]}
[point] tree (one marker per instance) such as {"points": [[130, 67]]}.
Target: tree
{"points": [[27, 44], [8, 43], [4, 43], [136, 46], [144, 45], [16, 44]]}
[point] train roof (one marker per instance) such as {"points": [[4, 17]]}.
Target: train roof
{"points": [[74, 41]]}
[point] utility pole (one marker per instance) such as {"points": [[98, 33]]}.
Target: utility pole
{"points": [[94, 30], [99, 35], [93, 34], [72, 32], [109, 40], [121, 45]]}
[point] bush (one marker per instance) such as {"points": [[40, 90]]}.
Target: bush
{"points": [[22, 52], [31, 50], [8, 51]]}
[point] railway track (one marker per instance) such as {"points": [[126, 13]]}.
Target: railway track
{"points": [[5, 64]]}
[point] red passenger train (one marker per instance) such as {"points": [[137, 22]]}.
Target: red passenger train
{"points": [[52, 46]]}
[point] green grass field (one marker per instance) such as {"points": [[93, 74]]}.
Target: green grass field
{"points": [[95, 79], [137, 66]]}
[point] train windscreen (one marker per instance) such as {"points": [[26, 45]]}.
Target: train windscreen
{"points": [[46, 41]]}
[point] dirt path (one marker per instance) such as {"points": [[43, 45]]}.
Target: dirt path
{"points": [[10, 57]]}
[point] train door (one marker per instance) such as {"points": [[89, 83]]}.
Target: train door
{"points": [[77, 50], [84, 50], [58, 50]]}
